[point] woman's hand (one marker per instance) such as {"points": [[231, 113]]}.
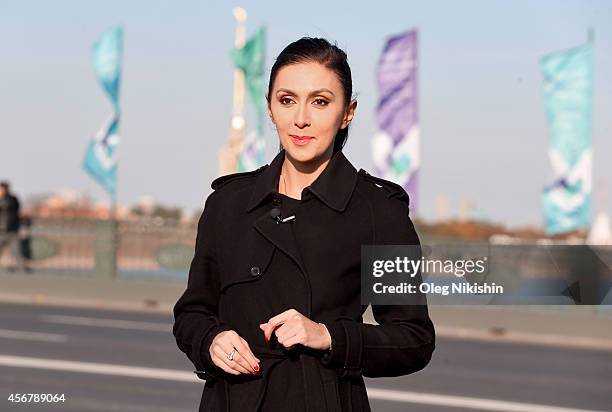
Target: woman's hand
{"points": [[295, 328], [244, 360]]}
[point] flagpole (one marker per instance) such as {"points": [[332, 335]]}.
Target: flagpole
{"points": [[101, 155], [591, 43], [228, 155], [112, 214]]}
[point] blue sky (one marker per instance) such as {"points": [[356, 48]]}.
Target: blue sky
{"points": [[483, 129]]}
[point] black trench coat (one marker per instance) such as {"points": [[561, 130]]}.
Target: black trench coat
{"points": [[248, 268]]}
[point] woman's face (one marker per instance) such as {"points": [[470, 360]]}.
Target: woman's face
{"points": [[307, 107]]}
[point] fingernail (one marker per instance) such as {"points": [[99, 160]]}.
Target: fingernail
{"points": [[256, 367]]}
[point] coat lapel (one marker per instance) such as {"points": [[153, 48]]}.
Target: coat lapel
{"points": [[333, 187], [251, 265], [280, 235]]}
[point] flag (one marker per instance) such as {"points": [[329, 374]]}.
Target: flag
{"points": [[252, 154], [395, 146], [251, 59], [567, 99], [101, 155]]}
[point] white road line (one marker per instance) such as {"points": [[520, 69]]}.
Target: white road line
{"points": [[464, 402], [98, 368], [108, 323], [374, 393], [577, 342], [442, 331], [23, 335]]}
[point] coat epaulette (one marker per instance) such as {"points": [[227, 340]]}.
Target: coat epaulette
{"points": [[392, 188], [221, 180]]}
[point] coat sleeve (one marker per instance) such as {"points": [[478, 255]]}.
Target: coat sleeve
{"points": [[196, 321], [404, 339]]}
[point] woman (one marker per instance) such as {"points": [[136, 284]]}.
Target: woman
{"points": [[272, 317]]}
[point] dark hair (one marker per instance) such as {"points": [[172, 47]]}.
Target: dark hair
{"points": [[309, 49], [5, 184]]}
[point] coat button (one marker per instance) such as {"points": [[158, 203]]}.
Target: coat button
{"points": [[255, 271]]}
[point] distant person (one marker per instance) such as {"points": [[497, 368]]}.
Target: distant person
{"points": [[9, 225], [26, 239], [272, 317]]}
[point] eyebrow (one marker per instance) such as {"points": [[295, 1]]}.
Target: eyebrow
{"points": [[313, 93]]}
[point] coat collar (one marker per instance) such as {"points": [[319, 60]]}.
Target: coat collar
{"points": [[333, 187]]}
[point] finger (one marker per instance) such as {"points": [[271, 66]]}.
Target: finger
{"points": [[286, 337], [283, 316], [292, 341], [292, 317], [246, 358], [227, 345], [264, 327], [232, 364], [219, 362], [269, 329], [248, 353], [285, 330], [243, 361]]}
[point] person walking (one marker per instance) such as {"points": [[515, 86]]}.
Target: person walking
{"points": [[9, 225]]}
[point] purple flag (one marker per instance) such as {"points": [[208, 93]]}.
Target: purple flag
{"points": [[395, 147]]}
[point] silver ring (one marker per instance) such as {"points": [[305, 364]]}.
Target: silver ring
{"points": [[231, 355]]}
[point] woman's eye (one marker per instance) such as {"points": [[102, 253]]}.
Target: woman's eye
{"points": [[318, 102]]}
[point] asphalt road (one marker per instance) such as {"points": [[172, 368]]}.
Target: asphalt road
{"points": [[128, 361]]}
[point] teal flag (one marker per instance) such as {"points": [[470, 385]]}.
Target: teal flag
{"points": [[107, 62], [101, 155], [251, 59], [568, 88]]}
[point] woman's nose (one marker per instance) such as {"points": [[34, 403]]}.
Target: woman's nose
{"points": [[302, 117]]}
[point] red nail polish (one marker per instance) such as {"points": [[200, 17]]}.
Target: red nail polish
{"points": [[256, 367]]}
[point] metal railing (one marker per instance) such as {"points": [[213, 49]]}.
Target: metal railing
{"points": [[142, 248]]}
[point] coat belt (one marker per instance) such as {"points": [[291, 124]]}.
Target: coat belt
{"points": [[316, 381]]}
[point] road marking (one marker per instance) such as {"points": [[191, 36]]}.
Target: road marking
{"points": [[442, 331], [464, 402], [578, 342], [374, 393], [23, 335], [108, 323], [98, 368]]}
